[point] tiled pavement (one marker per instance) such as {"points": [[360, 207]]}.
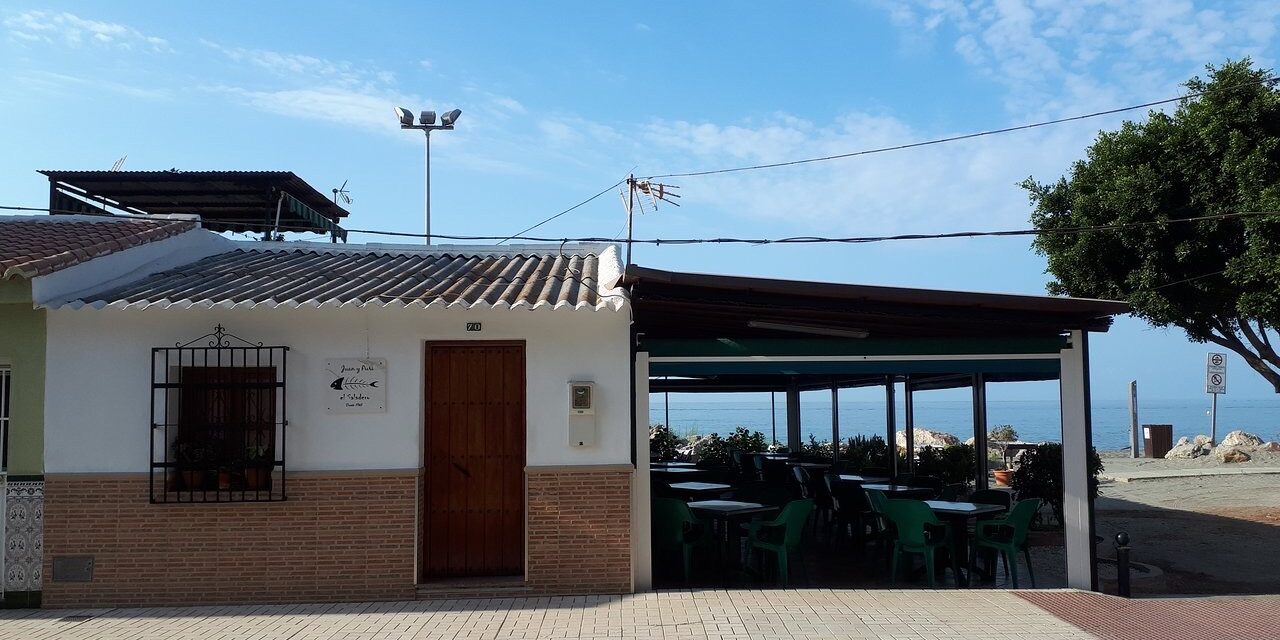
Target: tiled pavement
{"points": [[802, 613], [1236, 618]]}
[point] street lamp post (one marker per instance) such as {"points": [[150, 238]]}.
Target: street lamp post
{"points": [[427, 124]]}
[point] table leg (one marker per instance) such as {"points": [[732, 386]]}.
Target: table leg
{"points": [[959, 549]]}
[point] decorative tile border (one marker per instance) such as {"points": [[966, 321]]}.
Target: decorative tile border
{"points": [[23, 535]]}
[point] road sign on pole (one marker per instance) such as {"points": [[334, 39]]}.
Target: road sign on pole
{"points": [[1215, 382]]}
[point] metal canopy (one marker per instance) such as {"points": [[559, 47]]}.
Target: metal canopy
{"points": [[672, 304], [239, 201]]}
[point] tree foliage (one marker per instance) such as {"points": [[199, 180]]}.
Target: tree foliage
{"points": [[1217, 153]]}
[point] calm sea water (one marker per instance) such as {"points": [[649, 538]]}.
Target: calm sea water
{"points": [[1036, 421]]}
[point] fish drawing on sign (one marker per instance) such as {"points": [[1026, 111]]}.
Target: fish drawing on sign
{"points": [[342, 383]]}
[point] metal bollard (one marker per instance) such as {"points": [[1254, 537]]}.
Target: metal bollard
{"points": [[1122, 564]]}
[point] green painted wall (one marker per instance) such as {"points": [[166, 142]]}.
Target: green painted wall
{"points": [[22, 348]]}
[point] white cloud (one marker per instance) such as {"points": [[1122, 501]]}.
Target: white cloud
{"points": [[642, 27], [1051, 54], [71, 30]]}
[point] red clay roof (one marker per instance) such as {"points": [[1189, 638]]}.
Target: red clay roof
{"points": [[33, 246]]}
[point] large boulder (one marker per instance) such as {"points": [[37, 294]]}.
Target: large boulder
{"points": [[1240, 438], [927, 438], [1232, 455], [1273, 447], [1185, 449]]}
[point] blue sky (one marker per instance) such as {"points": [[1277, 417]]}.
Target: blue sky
{"points": [[562, 99]]}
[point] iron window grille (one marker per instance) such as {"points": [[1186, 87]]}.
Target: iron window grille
{"points": [[218, 421]]}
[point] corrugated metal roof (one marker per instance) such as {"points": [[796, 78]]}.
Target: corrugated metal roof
{"points": [[316, 277], [33, 246]]}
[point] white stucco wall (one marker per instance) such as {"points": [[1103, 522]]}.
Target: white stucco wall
{"points": [[99, 361]]}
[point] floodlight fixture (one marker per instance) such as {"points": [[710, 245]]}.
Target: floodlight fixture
{"points": [[427, 124], [405, 116]]}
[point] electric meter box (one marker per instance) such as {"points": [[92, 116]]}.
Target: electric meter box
{"points": [[582, 414]]}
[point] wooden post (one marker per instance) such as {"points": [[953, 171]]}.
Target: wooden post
{"points": [[1077, 501], [1134, 441], [794, 443], [980, 431], [890, 429], [835, 427], [909, 422]]}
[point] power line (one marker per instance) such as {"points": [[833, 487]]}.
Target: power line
{"points": [[966, 136], [731, 240], [549, 219]]}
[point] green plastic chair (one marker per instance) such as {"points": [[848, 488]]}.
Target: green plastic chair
{"points": [[881, 527], [951, 492], [919, 531], [675, 526], [1007, 536], [782, 535]]}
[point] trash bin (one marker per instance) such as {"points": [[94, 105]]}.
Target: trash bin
{"points": [[1157, 439]]}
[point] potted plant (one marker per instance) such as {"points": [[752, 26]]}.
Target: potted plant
{"points": [[194, 457], [1040, 476], [1003, 475], [258, 463]]}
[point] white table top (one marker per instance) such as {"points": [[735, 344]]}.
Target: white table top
{"points": [[962, 508], [700, 486]]}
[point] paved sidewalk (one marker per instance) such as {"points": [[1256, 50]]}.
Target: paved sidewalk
{"points": [[1163, 474], [807, 613], [1213, 618]]}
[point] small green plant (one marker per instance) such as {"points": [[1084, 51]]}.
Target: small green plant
{"points": [[664, 444], [258, 456], [816, 449], [954, 464], [861, 452], [1040, 476], [747, 441], [1003, 433], [195, 453]]}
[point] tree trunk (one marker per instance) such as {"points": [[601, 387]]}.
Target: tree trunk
{"points": [[1261, 359]]}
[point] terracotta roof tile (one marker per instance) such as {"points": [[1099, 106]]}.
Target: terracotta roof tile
{"points": [[348, 276], [33, 246]]}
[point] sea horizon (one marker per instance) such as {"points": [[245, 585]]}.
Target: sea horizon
{"points": [[1034, 420]]}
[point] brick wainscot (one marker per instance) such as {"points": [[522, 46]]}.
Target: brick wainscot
{"points": [[340, 536], [579, 529]]}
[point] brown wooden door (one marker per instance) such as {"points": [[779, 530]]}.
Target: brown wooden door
{"points": [[473, 509]]}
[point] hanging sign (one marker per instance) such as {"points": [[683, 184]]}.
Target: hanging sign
{"points": [[355, 385], [1215, 380]]}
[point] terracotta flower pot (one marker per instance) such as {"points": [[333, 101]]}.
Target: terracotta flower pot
{"points": [[1003, 476], [257, 478], [224, 481], [192, 480]]}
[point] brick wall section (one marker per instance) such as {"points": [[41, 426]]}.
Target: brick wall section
{"points": [[339, 537], [579, 531]]}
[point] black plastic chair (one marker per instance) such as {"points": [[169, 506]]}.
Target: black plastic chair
{"points": [[850, 509], [933, 483]]}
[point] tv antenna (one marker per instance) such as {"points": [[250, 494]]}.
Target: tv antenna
{"points": [[655, 191], [341, 192], [120, 163]]}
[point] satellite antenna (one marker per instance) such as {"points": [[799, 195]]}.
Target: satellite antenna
{"points": [[120, 163], [341, 192]]}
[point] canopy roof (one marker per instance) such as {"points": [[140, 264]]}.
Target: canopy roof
{"points": [[670, 304], [241, 201], [718, 333]]}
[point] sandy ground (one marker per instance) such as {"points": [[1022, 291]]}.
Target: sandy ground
{"points": [[1121, 462], [1209, 534]]}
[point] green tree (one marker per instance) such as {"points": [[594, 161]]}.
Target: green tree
{"points": [[1217, 153]]}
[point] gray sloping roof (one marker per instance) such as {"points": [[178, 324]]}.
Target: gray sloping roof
{"points": [[322, 276]]}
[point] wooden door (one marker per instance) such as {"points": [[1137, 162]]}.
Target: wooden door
{"points": [[473, 499]]}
